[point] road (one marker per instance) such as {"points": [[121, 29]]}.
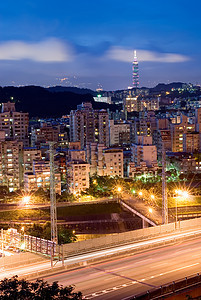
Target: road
{"points": [[125, 277]]}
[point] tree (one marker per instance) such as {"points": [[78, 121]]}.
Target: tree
{"points": [[20, 289], [44, 231]]}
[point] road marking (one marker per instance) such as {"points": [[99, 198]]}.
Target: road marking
{"points": [[161, 274], [180, 268], [109, 290]]}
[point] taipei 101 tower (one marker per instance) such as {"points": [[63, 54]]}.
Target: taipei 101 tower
{"points": [[135, 71]]}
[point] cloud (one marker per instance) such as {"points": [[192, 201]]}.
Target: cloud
{"points": [[126, 55], [50, 50]]}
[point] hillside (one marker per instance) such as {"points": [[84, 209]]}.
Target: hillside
{"points": [[41, 102]]}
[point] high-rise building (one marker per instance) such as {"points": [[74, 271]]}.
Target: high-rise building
{"points": [[135, 71], [11, 164], [88, 125], [15, 124], [119, 133], [182, 135]]}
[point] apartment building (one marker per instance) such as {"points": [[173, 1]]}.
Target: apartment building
{"points": [[119, 133], [104, 161], [77, 176], [144, 151], [30, 154], [11, 164], [88, 125], [181, 137], [15, 124]]}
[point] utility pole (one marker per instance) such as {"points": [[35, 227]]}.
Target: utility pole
{"points": [[53, 208], [164, 188]]}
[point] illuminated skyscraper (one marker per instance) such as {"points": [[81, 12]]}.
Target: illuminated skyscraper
{"points": [[135, 71]]}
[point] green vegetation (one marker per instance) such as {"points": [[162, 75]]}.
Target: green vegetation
{"points": [[25, 215], [44, 231], [20, 289]]}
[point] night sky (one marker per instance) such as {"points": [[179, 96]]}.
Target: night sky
{"points": [[90, 43]]}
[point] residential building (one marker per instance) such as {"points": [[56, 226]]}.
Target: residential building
{"points": [[119, 133], [11, 164], [113, 164], [77, 176], [15, 124], [30, 154], [44, 134], [40, 177], [144, 151], [88, 125], [180, 135], [142, 169]]}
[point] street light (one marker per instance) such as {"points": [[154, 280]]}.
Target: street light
{"points": [[181, 194], [26, 199], [119, 189]]}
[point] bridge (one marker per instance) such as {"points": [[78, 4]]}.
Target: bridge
{"points": [[130, 268]]}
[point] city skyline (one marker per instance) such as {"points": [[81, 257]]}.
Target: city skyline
{"points": [[87, 45]]}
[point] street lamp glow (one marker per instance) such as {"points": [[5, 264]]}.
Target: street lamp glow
{"points": [[26, 199], [150, 210], [152, 197], [140, 193], [119, 189], [185, 194], [178, 192]]}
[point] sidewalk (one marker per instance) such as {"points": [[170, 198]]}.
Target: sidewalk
{"points": [[155, 215]]}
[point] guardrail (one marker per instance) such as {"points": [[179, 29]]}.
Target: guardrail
{"points": [[175, 287]]}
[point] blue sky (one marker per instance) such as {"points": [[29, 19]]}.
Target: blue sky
{"points": [[90, 43]]}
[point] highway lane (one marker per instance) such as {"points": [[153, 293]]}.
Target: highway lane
{"points": [[124, 277]]}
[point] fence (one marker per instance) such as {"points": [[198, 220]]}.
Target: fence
{"points": [[176, 287], [39, 245], [12, 239]]}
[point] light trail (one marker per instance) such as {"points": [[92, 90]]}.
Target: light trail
{"points": [[27, 270]]}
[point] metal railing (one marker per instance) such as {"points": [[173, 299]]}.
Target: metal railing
{"points": [[12, 239], [175, 287]]}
